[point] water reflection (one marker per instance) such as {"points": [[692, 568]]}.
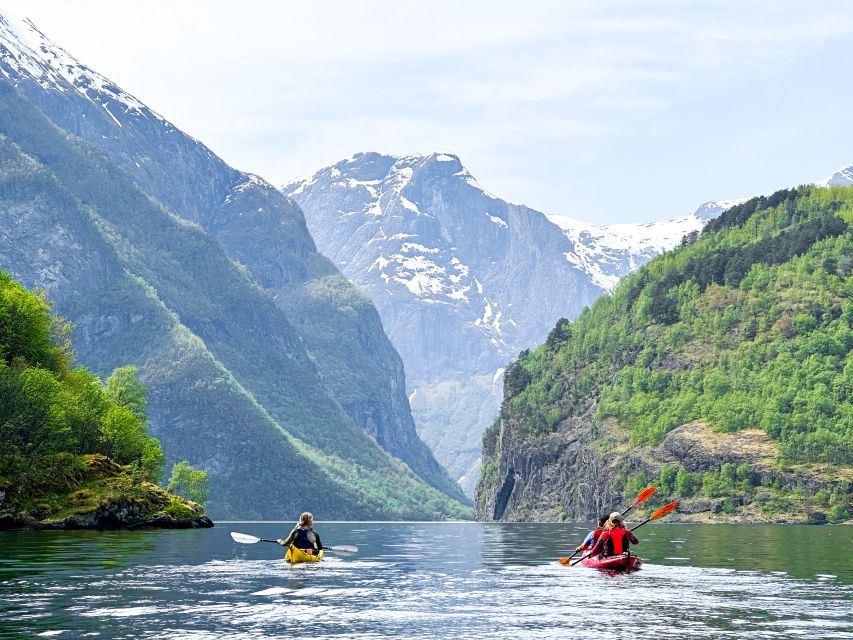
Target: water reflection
{"points": [[423, 580]]}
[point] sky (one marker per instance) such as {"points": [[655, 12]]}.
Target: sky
{"points": [[605, 111]]}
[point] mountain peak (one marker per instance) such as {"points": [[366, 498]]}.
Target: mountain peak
{"points": [[842, 177], [375, 172], [25, 52]]}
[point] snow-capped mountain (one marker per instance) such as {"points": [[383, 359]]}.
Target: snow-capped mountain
{"points": [[610, 252], [842, 177], [463, 280], [26, 51], [263, 237]]}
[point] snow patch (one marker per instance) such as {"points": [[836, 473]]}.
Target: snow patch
{"points": [[842, 177], [411, 206], [28, 52], [498, 221]]}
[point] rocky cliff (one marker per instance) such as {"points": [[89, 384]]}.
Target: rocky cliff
{"points": [[719, 372]]}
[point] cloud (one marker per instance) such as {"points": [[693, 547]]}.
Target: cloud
{"points": [[523, 91]]}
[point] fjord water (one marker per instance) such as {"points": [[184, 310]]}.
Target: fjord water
{"points": [[427, 580]]}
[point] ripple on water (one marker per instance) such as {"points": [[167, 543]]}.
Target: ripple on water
{"points": [[421, 585]]}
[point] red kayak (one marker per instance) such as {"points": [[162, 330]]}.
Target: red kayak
{"points": [[621, 562]]}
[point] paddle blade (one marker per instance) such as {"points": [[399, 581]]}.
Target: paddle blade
{"points": [[565, 560], [644, 495], [244, 538], [344, 548], [665, 509]]}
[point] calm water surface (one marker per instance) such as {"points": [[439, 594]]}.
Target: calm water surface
{"points": [[427, 580]]}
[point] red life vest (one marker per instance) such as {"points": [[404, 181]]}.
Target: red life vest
{"points": [[595, 536], [615, 541]]}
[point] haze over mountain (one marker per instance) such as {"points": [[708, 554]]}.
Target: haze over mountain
{"points": [[266, 367], [463, 280]]}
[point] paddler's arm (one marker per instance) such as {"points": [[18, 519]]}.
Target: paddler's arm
{"points": [[599, 544], [319, 544], [289, 540]]}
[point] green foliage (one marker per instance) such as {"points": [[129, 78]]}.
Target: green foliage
{"points": [[491, 438], [292, 355], [179, 511], [750, 326], [667, 480], [838, 514], [124, 388], [28, 331], [685, 483], [189, 483], [50, 414], [634, 484]]}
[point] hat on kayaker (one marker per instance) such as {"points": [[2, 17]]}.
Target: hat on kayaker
{"points": [[603, 521], [616, 519]]}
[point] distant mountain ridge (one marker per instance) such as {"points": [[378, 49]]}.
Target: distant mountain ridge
{"points": [[463, 280], [608, 253], [278, 279]]}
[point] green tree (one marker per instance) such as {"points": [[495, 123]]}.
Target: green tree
{"points": [[124, 387], [685, 483], [667, 480], [189, 482]]}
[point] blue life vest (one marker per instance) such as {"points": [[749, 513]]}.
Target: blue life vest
{"points": [[305, 538]]}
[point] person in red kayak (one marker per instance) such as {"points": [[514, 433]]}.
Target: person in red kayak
{"points": [[303, 536], [615, 539], [592, 536]]}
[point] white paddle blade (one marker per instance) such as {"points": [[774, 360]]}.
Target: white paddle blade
{"points": [[344, 548], [244, 538]]}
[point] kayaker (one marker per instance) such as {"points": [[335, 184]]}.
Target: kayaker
{"points": [[615, 539], [592, 536], [303, 536]]}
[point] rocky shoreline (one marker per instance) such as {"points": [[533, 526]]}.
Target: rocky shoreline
{"points": [[578, 473], [102, 496]]}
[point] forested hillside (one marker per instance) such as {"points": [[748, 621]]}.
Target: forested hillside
{"points": [[721, 370], [233, 387], [64, 434]]}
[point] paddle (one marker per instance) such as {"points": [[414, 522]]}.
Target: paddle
{"points": [[644, 495], [245, 538], [660, 513]]}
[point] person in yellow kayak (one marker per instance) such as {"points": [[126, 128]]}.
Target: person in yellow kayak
{"points": [[303, 536]]}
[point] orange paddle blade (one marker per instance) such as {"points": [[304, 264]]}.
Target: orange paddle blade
{"points": [[665, 509], [644, 495], [565, 560]]}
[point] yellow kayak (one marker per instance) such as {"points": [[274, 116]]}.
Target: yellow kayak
{"points": [[295, 556]]}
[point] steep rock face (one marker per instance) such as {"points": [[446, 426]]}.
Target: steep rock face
{"points": [[257, 226], [463, 280]]}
